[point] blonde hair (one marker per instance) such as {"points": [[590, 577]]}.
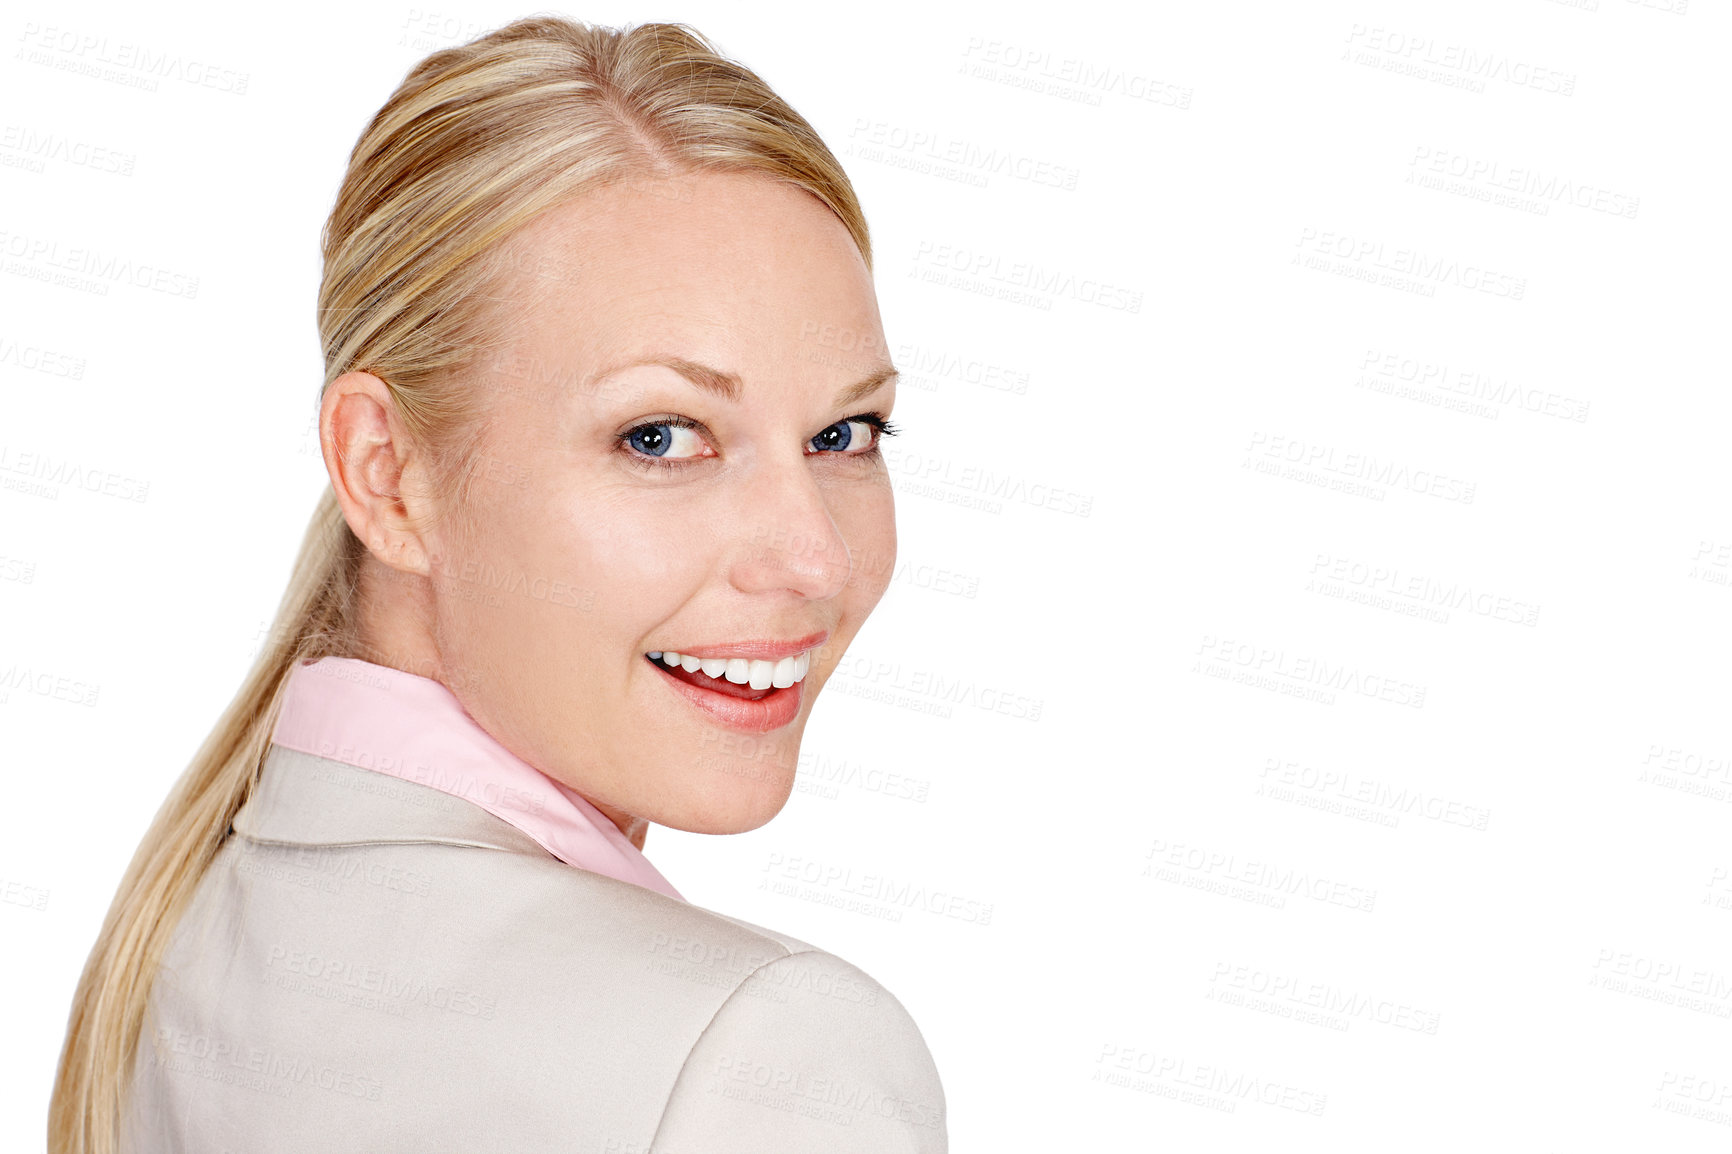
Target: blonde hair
{"points": [[477, 141]]}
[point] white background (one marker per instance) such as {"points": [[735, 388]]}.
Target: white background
{"points": [[1300, 720]]}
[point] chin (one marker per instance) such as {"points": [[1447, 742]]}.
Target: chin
{"points": [[735, 804]]}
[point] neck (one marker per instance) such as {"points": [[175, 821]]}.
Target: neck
{"points": [[392, 609], [634, 828]]}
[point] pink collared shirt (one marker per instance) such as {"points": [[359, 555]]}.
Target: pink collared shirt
{"points": [[413, 728]]}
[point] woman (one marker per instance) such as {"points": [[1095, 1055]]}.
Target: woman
{"points": [[602, 494]]}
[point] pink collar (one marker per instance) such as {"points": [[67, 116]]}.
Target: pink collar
{"points": [[413, 728]]}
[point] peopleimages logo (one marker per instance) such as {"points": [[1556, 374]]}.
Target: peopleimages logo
{"points": [[1329, 1000], [36, 359], [1369, 256], [40, 259], [1068, 77], [1417, 593], [1212, 1086], [986, 267], [136, 65], [38, 148], [1462, 387], [1544, 189], [1350, 471], [1219, 872], [1422, 54], [1300, 675], [1374, 795]]}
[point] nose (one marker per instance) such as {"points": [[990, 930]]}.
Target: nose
{"points": [[790, 540]]}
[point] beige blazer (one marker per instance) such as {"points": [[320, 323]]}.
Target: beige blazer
{"points": [[373, 964]]}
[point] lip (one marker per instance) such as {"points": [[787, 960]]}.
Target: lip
{"points": [[768, 713], [755, 650]]}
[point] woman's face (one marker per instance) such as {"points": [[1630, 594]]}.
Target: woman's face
{"points": [[735, 511]]}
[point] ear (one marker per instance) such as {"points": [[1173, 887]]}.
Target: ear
{"points": [[368, 454]]}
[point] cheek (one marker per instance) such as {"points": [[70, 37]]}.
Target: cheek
{"points": [[632, 561], [556, 572], [865, 514]]}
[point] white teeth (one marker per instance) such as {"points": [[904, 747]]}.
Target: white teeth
{"points": [[740, 670]]}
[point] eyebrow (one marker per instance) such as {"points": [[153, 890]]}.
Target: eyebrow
{"points": [[729, 386]]}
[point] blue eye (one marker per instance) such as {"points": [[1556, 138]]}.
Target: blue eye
{"points": [[835, 438], [839, 438], [665, 439], [649, 439], [673, 442]]}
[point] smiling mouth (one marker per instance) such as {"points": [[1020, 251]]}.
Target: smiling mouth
{"points": [[734, 677]]}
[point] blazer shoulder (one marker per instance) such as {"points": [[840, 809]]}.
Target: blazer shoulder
{"points": [[372, 967], [809, 1052], [675, 927]]}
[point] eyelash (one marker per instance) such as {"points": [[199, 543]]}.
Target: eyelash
{"points": [[881, 425]]}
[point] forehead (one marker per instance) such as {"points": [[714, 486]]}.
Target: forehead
{"points": [[727, 259], [745, 274]]}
